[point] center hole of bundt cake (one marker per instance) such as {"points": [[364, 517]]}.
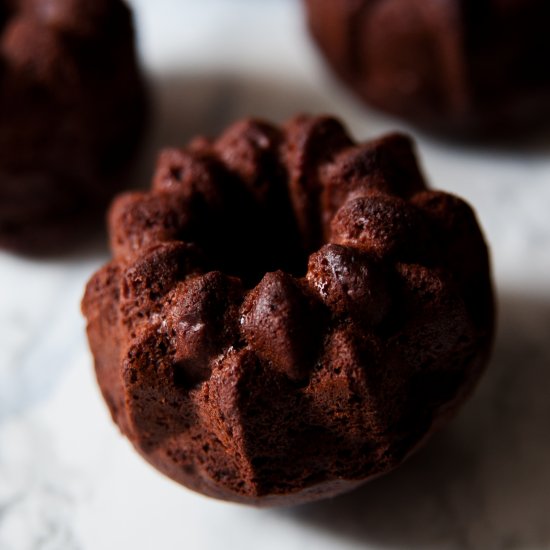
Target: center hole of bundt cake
{"points": [[255, 239], [246, 201]]}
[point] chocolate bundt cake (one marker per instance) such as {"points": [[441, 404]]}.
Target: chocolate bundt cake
{"points": [[460, 66], [72, 110], [288, 313]]}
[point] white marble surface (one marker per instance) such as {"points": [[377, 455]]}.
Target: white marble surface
{"points": [[68, 481]]}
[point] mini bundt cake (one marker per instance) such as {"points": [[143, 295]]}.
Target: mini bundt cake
{"points": [[460, 66], [72, 111], [288, 313]]}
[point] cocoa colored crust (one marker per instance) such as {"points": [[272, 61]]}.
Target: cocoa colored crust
{"points": [[72, 110], [459, 66], [288, 313]]}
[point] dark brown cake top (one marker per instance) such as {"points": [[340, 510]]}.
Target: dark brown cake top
{"points": [[62, 44], [286, 309]]}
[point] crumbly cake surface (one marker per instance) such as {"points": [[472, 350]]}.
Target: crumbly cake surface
{"points": [[288, 313]]}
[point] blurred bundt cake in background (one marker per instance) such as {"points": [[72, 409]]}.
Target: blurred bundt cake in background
{"points": [[72, 111]]}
